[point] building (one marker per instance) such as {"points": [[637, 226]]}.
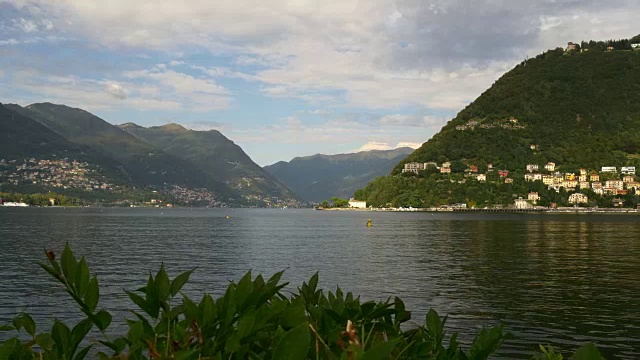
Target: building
{"points": [[548, 179], [550, 166], [569, 184], [609, 169], [628, 179], [413, 167], [628, 170], [596, 185], [615, 184], [635, 46], [598, 191], [532, 167], [578, 198], [481, 177], [533, 197], [489, 167], [584, 184], [508, 181], [609, 48], [569, 176], [571, 46], [353, 203], [503, 173], [583, 171], [594, 177], [521, 203], [445, 170], [582, 178]]}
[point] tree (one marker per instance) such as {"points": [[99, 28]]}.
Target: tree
{"points": [[458, 166]]}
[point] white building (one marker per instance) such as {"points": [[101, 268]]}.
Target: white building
{"points": [[578, 198], [550, 166], [629, 170], [481, 177], [532, 167], [533, 197], [521, 203], [609, 169], [353, 203], [615, 184]]}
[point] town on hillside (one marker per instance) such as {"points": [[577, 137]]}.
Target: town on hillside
{"points": [[607, 181]]}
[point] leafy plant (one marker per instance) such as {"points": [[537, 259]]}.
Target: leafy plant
{"points": [[252, 320]]}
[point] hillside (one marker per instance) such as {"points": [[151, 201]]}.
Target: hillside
{"points": [[139, 163], [320, 177], [215, 155], [578, 109]]}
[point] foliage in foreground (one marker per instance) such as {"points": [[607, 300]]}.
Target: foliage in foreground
{"points": [[253, 319]]}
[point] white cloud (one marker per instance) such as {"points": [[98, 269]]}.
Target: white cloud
{"points": [[1, 73], [381, 145], [116, 90]]}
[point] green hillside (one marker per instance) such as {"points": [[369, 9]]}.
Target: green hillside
{"points": [[138, 163], [320, 177], [215, 155], [578, 109]]}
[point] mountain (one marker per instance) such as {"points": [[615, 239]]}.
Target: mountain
{"points": [[139, 163], [576, 108], [215, 155], [320, 177]]}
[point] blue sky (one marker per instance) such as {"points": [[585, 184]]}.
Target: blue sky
{"points": [[285, 78]]}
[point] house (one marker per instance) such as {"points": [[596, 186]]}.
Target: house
{"points": [[508, 181], [583, 171], [582, 178], [528, 177], [578, 198], [446, 164], [571, 46], [569, 176], [621, 192], [533, 197], [445, 170], [598, 191], [550, 166], [413, 167], [353, 203], [481, 177], [472, 168], [532, 167], [616, 184], [594, 177], [503, 173], [610, 191], [584, 184], [569, 184], [489, 167], [533, 146], [609, 48], [609, 169], [521, 203], [596, 185], [635, 46], [633, 185], [628, 179], [548, 179], [628, 170]]}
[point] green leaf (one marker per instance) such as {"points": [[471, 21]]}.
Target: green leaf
{"points": [[294, 344], [103, 318], [136, 331], [435, 326], [162, 284], [141, 302], [44, 340], [61, 335], [82, 277], [68, 262], [381, 351], [83, 353], [78, 333], [587, 352], [9, 347], [7, 328], [179, 282], [29, 324], [245, 324], [93, 294]]}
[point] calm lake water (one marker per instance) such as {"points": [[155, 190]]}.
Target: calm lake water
{"points": [[551, 279]]}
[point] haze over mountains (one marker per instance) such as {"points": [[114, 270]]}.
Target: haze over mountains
{"points": [[319, 177]]}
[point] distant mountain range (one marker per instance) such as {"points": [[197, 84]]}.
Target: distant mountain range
{"points": [[138, 156], [320, 177]]}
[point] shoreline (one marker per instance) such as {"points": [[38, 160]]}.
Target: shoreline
{"points": [[519, 211]]}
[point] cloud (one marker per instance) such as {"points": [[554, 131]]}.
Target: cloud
{"points": [[116, 90], [1, 73], [381, 145]]}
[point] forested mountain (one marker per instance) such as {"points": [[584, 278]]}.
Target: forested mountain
{"points": [[140, 163], [577, 108], [214, 154], [320, 177]]}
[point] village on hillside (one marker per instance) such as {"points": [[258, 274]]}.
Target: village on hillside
{"points": [[609, 180]]}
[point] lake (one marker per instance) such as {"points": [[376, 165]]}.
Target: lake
{"points": [[555, 279]]}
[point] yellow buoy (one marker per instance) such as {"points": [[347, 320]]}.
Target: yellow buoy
{"points": [[228, 217], [369, 223]]}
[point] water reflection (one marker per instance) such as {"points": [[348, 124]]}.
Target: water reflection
{"points": [[559, 279]]}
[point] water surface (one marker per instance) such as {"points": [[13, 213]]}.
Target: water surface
{"points": [[550, 278]]}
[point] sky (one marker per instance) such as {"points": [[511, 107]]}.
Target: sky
{"points": [[285, 78]]}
